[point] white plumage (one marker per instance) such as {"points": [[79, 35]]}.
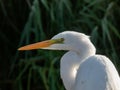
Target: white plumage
{"points": [[80, 67]]}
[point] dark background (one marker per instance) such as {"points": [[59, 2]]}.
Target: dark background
{"points": [[24, 21]]}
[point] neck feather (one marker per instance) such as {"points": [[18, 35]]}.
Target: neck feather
{"points": [[70, 63]]}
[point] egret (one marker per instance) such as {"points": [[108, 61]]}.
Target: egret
{"points": [[81, 68]]}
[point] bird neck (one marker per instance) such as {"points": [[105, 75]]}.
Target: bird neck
{"points": [[68, 66], [84, 51], [70, 63]]}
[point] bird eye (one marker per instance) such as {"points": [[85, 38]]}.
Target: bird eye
{"points": [[61, 40]]}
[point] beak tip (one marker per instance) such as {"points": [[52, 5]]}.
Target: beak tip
{"points": [[19, 49], [38, 45]]}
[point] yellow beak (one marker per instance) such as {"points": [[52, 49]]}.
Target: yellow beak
{"points": [[42, 44]]}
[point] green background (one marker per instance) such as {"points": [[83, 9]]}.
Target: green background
{"points": [[27, 21]]}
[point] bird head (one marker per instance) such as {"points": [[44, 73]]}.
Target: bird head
{"points": [[67, 40]]}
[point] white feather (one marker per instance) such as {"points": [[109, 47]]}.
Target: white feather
{"points": [[81, 68]]}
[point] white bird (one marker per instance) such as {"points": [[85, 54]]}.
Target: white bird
{"points": [[80, 67]]}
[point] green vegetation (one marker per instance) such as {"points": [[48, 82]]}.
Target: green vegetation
{"points": [[39, 69]]}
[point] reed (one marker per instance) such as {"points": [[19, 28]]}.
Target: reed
{"points": [[39, 69]]}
